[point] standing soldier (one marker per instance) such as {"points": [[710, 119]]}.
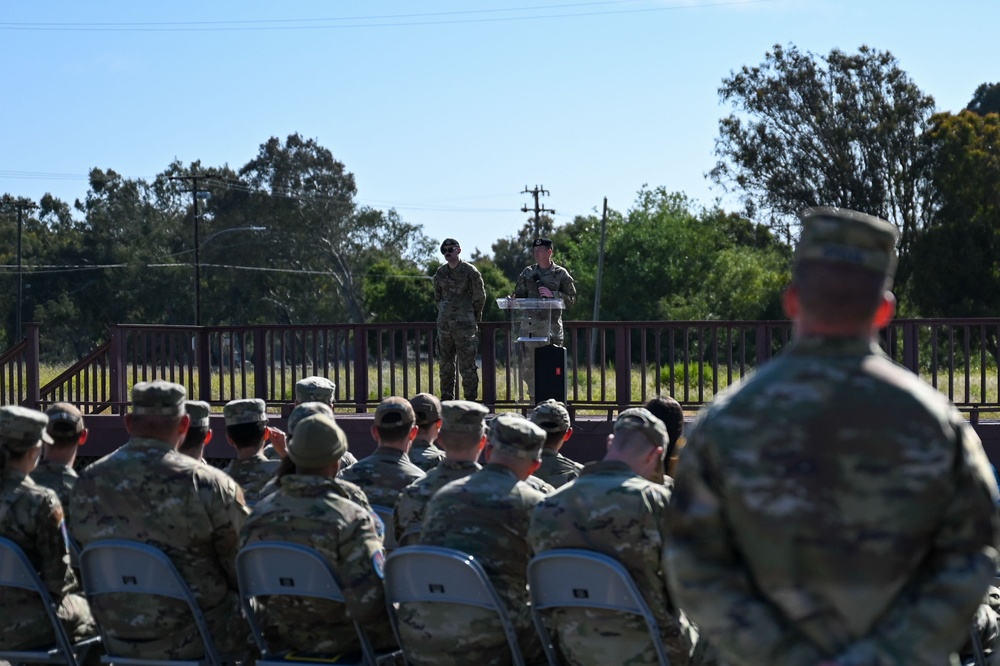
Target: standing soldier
{"points": [[460, 297]]}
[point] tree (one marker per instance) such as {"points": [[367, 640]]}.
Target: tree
{"points": [[986, 99], [398, 293], [841, 130], [513, 253]]}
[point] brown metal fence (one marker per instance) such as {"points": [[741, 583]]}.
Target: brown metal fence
{"points": [[610, 365]]}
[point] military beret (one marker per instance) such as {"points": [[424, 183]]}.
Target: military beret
{"points": [[542, 242], [517, 436], [158, 398], [305, 410], [65, 420], [251, 410], [199, 412], [450, 242], [319, 389], [394, 412], [840, 235], [426, 408], [22, 429], [642, 420], [318, 442], [463, 416], [551, 416]]}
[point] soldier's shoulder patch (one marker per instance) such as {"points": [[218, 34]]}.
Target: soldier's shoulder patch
{"points": [[378, 561]]}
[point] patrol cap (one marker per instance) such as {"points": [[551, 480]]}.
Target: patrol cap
{"points": [[22, 429], [307, 409], [426, 408], [318, 442], [542, 242], [841, 235], [463, 416], [394, 412], [642, 420], [199, 411], [251, 410], [551, 416], [517, 436], [158, 398], [65, 420], [315, 388], [450, 242]]}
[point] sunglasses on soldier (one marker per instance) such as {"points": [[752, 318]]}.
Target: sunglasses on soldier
{"points": [[449, 249]]}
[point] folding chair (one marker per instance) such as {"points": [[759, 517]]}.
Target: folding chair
{"points": [[17, 571], [132, 567], [431, 574], [389, 537], [576, 578], [274, 568]]}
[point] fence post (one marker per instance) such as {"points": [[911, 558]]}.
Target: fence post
{"points": [[360, 368], [763, 344], [487, 346], [31, 362], [260, 363], [623, 368], [116, 367], [911, 344], [204, 357]]}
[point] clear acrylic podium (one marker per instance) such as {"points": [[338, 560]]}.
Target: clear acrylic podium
{"points": [[532, 326]]}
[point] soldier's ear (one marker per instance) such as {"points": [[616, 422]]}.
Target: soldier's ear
{"points": [[886, 310]]}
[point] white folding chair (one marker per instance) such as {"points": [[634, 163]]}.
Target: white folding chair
{"points": [[576, 578], [132, 567], [274, 568], [389, 537], [431, 574], [17, 571]]}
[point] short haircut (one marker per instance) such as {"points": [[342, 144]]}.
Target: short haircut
{"points": [[451, 440], [671, 413], [154, 426], [631, 442], [195, 437], [247, 435], [64, 441], [838, 293], [395, 433], [554, 439]]}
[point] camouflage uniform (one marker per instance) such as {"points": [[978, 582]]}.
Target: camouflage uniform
{"points": [[345, 489], [612, 510], [427, 410], [32, 517], [833, 506], [146, 491], [460, 297], [57, 478], [408, 514], [485, 515], [252, 474], [556, 469], [315, 397], [544, 487], [425, 455], [382, 475]]}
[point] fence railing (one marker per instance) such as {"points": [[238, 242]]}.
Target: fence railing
{"points": [[610, 366]]}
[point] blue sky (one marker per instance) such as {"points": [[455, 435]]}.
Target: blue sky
{"points": [[442, 109]]}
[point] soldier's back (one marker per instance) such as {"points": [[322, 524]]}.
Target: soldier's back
{"points": [[382, 475], [556, 469], [408, 514], [252, 474]]}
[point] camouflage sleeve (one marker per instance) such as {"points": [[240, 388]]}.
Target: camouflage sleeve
{"points": [[959, 567], [405, 513], [478, 288], [360, 568], [50, 541], [521, 286], [710, 582], [227, 512], [438, 288], [567, 289]]}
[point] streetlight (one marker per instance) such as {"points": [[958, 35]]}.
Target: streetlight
{"points": [[197, 261]]}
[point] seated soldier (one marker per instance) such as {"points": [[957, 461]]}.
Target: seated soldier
{"points": [[199, 433], [246, 430], [68, 433], [423, 453], [553, 417], [308, 389]]}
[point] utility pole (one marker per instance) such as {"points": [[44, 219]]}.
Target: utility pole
{"points": [[600, 279], [21, 205], [538, 209], [197, 244]]}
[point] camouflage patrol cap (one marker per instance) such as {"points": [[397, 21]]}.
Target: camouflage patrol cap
{"points": [[307, 409], [463, 416], [65, 420], [251, 410], [199, 411], [642, 420], [517, 436], [318, 442], [394, 412], [841, 235], [426, 408], [542, 242], [22, 429], [315, 388], [551, 416], [158, 398]]}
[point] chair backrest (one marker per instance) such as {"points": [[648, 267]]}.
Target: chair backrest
{"points": [[576, 578], [278, 568], [432, 574], [17, 571], [133, 567], [389, 537]]}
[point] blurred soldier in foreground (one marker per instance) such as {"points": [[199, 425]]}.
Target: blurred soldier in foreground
{"points": [[427, 410], [146, 491], [309, 509], [388, 469], [463, 436], [834, 508], [199, 432], [671, 413], [32, 517], [485, 515], [556, 469], [246, 430], [460, 297], [67, 432], [613, 509]]}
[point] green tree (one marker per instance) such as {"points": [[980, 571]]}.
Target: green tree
{"points": [[513, 253], [497, 286], [841, 130], [986, 99], [394, 292]]}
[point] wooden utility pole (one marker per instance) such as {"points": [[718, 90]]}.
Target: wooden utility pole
{"points": [[538, 209], [20, 205], [197, 244], [600, 280]]}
